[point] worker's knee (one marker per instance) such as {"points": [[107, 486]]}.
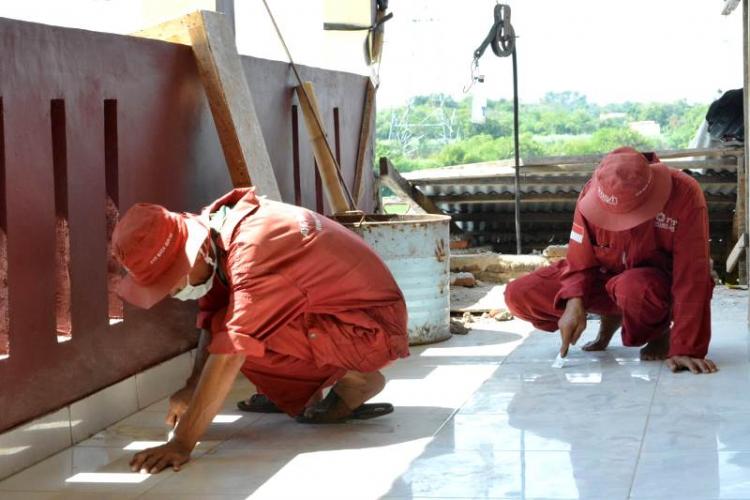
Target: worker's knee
{"points": [[514, 293]]}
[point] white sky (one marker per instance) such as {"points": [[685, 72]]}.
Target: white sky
{"points": [[609, 50]]}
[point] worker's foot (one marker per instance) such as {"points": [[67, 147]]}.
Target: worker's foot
{"points": [[657, 349], [333, 410], [607, 328], [258, 403], [346, 400]]}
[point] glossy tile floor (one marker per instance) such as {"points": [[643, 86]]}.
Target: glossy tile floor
{"points": [[479, 416]]}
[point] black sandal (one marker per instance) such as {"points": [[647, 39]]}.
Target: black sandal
{"points": [[258, 403], [319, 414]]}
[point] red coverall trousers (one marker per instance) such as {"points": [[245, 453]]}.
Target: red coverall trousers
{"points": [[640, 295], [315, 351]]}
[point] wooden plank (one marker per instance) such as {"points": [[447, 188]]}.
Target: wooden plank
{"points": [[505, 198], [729, 6], [672, 153], [393, 179], [327, 165], [364, 140], [736, 253], [229, 96], [542, 197], [174, 31]]}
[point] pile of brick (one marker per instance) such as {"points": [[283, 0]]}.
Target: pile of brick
{"points": [[492, 267], [478, 281]]}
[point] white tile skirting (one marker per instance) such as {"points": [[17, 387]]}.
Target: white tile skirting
{"points": [[36, 440]]}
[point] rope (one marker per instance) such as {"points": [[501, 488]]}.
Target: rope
{"points": [[301, 88]]}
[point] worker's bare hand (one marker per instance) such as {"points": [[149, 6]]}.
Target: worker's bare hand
{"points": [[571, 324], [695, 365], [154, 460], [178, 404]]}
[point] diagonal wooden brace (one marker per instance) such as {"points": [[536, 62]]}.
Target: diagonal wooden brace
{"points": [[229, 96]]}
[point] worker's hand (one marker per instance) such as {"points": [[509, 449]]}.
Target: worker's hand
{"points": [[178, 404], [695, 365], [154, 460], [571, 324]]}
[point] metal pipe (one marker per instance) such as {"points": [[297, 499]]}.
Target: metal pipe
{"points": [[517, 155]]}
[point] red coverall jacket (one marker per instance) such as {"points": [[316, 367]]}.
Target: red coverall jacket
{"points": [[676, 242], [305, 299]]}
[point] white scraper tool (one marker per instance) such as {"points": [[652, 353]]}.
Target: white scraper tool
{"points": [[559, 362]]}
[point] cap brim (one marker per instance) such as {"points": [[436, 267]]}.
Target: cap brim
{"points": [[146, 296], [594, 212]]}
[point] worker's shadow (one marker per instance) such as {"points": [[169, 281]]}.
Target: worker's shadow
{"points": [[426, 389]]}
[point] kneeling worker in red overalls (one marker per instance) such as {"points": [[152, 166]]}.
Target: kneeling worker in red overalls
{"points": [[293, 300], [639, 257]]}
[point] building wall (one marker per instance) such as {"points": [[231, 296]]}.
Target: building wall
{"points": [[91, 124]]}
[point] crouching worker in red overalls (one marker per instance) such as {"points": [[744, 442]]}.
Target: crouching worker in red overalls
{"points": [[639, 257], [294, 301]]}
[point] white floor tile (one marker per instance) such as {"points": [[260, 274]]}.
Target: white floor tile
{"points": [[104, 408], [692, 475], [100, 471], [150, 426], [518, 432], [34, 441], [445, 472], [479, 416]]}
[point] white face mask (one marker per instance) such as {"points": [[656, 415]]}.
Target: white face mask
{"points": [[195, 292]]}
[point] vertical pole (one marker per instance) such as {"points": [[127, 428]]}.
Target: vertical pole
{"points": [[746, 82], [517, 155]]}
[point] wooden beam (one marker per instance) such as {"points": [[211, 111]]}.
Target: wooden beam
{"points": [[364, 140], [329, 170], [229, 96], [174, 31], [542, 197], [391, 178], [666, 154], [729, 6], [736, 253]]}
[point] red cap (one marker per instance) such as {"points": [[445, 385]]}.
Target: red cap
{"points": [[157, 248], [626, 190]]}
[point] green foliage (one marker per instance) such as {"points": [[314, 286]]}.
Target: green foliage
{"points": [[436, 130]]}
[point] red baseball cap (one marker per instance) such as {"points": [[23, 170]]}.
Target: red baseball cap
{"points": [[157, 248], [626, 190]]}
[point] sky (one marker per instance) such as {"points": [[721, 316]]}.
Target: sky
{"points": [[609, 50]]}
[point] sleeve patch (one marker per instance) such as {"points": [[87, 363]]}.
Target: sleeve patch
{"points": [[576, 234]]}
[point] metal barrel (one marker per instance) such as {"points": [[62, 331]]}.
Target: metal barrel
{"points": [[416, 250]]}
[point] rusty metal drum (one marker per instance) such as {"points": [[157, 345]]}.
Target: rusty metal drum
{"points": [[416, 250]]}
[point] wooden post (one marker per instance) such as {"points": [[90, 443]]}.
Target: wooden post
{"points": [[327, 166], [229, 96], [364, 140]]}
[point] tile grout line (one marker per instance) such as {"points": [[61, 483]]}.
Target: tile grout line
{"points": [[645, 430]]}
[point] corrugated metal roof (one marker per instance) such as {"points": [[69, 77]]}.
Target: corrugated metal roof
{"points": [[480, 197]]}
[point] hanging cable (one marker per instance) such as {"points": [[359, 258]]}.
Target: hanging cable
{"points": [[502, 39]]}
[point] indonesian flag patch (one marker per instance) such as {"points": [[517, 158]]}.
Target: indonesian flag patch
{"points": [[576, 234]]}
